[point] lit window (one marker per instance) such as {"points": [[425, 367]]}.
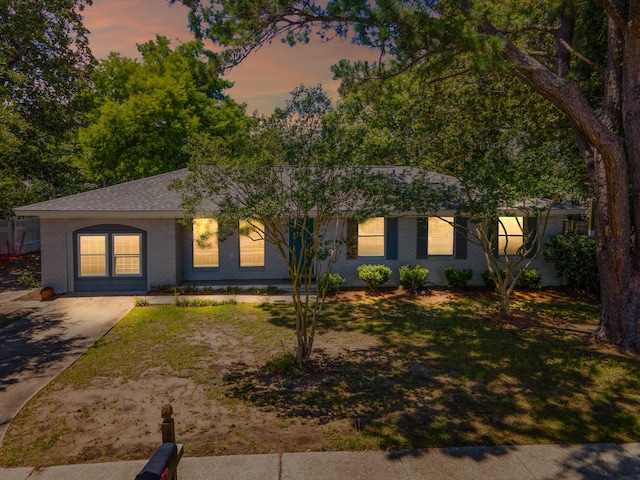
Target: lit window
{"points": [[205, 242], [126, 254], [371, 237], [93, 255], [440, 236], [251, 244], [510, 235]]}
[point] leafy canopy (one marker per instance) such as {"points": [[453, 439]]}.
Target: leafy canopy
{"points": [[45, 65], [294, 177], [147, 111]]}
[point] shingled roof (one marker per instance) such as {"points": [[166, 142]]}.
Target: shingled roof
{"points": [[151, 197], [147, 197]]}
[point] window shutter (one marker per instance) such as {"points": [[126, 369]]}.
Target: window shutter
{"points": [[532, 227], [460, 238], [422, 237], [293, 225], [391, 238], [352, 239]]}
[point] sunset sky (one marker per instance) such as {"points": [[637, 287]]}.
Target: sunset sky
{"points": [[263, 81]]}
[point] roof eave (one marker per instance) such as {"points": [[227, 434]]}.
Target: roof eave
{"points": [[54, 214]]}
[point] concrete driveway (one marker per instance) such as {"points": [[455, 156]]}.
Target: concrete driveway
{"points": [[46, 340]]}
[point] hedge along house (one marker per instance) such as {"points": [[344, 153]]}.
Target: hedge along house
{"points": [[128, 237]]}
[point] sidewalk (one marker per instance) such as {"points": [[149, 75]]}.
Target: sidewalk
{"points": [[533, 462]]}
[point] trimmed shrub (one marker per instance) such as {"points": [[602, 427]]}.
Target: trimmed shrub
{"points": [[412, 277], [574, 256], [374, 275], [458, 278], [329, 284], [488, 281], [528, 280]]}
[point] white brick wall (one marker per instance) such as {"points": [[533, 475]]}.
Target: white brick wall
{"points": [[57, 249], [407, 238], [169, 255]]}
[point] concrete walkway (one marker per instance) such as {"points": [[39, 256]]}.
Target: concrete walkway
{"points": [[535, 462], [51, 335], [48, 337]]}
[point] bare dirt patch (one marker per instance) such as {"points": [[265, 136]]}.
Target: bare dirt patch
{"points": [[19, 273]]}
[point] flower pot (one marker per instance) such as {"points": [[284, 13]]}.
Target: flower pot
{"points": [[46, 293]]}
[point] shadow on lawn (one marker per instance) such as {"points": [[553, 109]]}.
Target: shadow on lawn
{"points": [[446, 375]]}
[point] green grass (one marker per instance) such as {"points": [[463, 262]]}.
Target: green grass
{"points": [[163, 336], [458, 374], [398, 373]]}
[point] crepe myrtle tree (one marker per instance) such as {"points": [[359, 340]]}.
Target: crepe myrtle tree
{"points": [[507, 254], [503, 199], [584, 57], [292, 181]]}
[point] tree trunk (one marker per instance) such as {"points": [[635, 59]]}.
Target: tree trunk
{"points": [[618, 256], [620, 311], [610, 146], [505, 301]]}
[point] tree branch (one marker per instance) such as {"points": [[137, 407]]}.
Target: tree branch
{"points": [[610, 9], [582, 57]]}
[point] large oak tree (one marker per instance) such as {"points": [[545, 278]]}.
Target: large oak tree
{"points": [[542, 43], [145, 111]]}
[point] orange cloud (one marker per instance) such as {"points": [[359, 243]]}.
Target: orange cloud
{"points": [[263, 81]]}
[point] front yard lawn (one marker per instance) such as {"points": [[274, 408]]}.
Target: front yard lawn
{"points": [[387, 373]]}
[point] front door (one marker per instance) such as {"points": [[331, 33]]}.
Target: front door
{"points": [[301, 234]]}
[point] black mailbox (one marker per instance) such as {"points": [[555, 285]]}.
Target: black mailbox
{"points": [[162, 465]]}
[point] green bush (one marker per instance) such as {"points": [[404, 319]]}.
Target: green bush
{"points": [[285, 364], [488, 280], [574, 256], [374, 275], [458, 278], [412, 277], [528, 280], [330, 283], [29, 280]]}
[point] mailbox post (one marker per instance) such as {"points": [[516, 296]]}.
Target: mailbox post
{"points": [[163, 465], [168, 425]]}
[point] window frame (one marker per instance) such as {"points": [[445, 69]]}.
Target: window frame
{"points": [[109, 256], [254, 229], [449, 222], [213, 238], [115, 256], [382, 236], [504, 233], [105, 237]]}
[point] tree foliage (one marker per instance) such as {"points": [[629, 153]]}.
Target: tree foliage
{"points": [[45, 65], [146, 111], [293, 178], [508, 148], [558, 48], [574, 257]]}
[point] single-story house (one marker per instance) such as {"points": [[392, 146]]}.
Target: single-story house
{"points": [[128, 237]]}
